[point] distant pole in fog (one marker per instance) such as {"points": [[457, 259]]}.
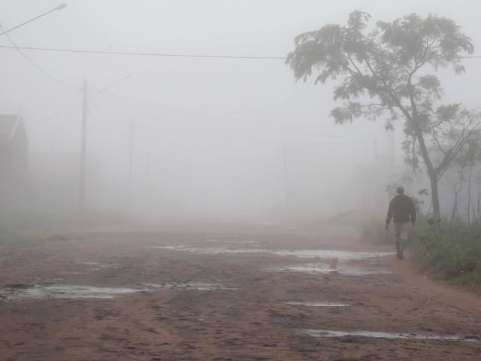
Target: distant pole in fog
{"points": [[131, 165], [286, 180], [83, 151]]}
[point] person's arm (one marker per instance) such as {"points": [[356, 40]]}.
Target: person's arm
{"points": [[389, 215]]}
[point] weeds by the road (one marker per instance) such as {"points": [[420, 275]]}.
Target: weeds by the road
{"points": [[451, 250]]}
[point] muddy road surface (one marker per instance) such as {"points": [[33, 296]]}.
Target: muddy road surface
{"points": [[225, 295]]}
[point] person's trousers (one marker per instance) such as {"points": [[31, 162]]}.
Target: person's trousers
{"points": [[403, 232]]}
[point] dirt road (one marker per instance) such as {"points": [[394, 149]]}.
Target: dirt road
{"points": [[225, 296]]}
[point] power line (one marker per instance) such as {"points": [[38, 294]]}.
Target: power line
{"points": [[137, 53], [159, 54], [32, 62]]}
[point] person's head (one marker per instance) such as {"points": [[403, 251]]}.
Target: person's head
{"points": [[400, 190]]}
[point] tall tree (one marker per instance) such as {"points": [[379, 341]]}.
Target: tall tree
{"points": [[388, 70]]}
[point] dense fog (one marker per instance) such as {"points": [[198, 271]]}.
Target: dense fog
{"points": [[198, 139]]}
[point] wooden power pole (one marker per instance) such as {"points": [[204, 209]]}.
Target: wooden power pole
{"points": [[131, 167], [83, 151]]}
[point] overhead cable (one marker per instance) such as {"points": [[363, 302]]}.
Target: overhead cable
{"points": [[160, 54], [137, 53]]}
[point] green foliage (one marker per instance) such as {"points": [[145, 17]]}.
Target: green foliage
{"points": [[452, 251], [381, 63], [388, 70]]}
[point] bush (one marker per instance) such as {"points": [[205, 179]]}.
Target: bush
{"points": [[451, 251]]}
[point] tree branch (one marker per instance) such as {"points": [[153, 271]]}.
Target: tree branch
{"points": [[353, 63], [438, 143], [454, 151]]}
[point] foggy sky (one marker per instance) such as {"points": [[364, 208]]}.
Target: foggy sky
{"points": [[210, 134]]}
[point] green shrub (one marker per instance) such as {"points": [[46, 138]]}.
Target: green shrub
{"points": [[452, 251]]}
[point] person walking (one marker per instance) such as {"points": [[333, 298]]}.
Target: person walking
{"points": [[402, 212]]}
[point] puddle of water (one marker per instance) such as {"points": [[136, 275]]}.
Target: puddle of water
{"points": [[317, 304], [209, 250], [96, 266], [16, 292], [346, 270], [172, 248], [197, 286], [212, 240], [337, 259], [384, 335], [323, 254], [74, 273], [64, 292], [333, 254]]}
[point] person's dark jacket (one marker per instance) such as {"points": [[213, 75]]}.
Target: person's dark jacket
{"points": [[401, 210]]}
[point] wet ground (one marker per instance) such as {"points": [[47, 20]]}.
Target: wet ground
{"points": [[225, 295]]}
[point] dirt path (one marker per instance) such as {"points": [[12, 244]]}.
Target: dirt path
{"points": [[246, 319]]}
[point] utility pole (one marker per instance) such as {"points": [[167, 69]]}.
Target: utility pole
{"points": [[286, 181], [83, 151], [131, 165]]}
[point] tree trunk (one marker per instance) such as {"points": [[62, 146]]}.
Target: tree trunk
{"points": [[470, 194], [432, 174], [435, 196], [478, 208], [454, 211]]}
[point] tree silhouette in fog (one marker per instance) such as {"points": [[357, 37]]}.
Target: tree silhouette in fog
{"points": [[388, 70]]}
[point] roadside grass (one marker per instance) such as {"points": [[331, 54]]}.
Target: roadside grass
{"points": [[448, 251], [451, 251]]}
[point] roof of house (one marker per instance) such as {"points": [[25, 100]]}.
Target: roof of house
{"points": [[9, 124]]}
